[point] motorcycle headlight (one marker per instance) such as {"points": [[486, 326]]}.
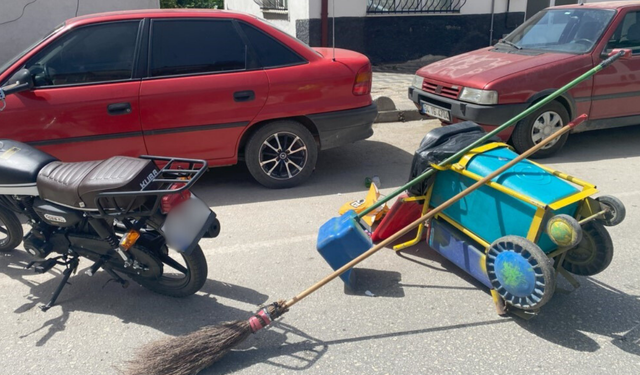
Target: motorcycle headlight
{"points": [[486, 97], [417, 81]]}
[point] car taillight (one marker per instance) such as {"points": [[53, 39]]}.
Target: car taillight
{"points": [[362, 85], [172, 200]]}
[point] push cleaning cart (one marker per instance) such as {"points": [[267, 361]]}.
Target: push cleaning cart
{"points": [[517, 232]]}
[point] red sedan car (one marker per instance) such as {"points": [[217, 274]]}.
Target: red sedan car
{"points": [[213, 85]]}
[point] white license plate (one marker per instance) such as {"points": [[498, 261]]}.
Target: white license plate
{"points": [[442, 114]]}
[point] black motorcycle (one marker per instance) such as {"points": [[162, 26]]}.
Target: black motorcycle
{"points": [[130, 216]]}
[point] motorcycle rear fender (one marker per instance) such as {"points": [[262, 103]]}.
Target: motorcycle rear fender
{"points": [[187, 223]]}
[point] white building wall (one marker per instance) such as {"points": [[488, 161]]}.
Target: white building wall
{"points": [[500, 6], [23, 22], [298, 9], [343, 8]]}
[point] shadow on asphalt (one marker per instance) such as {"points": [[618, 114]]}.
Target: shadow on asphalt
{"points": [[339, 170], [594, 308], [617, 143], [283, 344], [172, 316]]}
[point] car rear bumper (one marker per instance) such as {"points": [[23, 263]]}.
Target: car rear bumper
{"points": [[492, 115], [344, 127]]}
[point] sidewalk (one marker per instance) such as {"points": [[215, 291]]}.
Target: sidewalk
{"points": [[392, 81]]}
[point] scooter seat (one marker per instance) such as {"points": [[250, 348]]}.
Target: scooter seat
{"points": [[77, 184]]}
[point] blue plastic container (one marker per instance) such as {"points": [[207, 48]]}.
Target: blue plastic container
{"points": [[341, 240], [459, 249], [491, 214]]}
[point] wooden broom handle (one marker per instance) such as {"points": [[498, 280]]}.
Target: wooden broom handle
{"points": [[433, 212]]}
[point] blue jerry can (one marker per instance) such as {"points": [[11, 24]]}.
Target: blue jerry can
{"points": [[490, 213], [341, 240]]}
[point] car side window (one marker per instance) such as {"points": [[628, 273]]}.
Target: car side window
{"points": [[271, 53], [90, 54], [627, 35], [195, 46]]}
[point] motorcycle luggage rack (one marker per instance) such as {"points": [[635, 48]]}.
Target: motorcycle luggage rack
{"points": [[169, 174]]}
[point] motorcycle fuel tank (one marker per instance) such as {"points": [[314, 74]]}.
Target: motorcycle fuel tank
{"points": [[19, 167]]}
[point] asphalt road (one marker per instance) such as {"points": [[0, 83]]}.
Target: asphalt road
{"points": [[426, 316]]}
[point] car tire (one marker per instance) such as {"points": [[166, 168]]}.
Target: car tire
{"points": [[281, 154], [536, 127]]}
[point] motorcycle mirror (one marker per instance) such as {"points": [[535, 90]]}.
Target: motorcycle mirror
{"points": [[22, 80]]}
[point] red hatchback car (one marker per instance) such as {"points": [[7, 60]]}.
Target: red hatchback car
{"points": [[212, 85], [491, 85]]}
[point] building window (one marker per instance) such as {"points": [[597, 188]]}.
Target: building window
{"points": [[414, 6], [273, 4]]}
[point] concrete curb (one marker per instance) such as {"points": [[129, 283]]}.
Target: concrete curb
{"points": [[387, 112]]}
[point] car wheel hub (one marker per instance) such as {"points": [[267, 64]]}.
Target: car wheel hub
{"points": [[283, 156], [545, 125]]}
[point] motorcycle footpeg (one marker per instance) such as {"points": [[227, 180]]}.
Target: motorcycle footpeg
{"points": [[45, 266]]}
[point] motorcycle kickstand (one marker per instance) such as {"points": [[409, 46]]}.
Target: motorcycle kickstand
{"points": [[115, 277], [72, 265]]}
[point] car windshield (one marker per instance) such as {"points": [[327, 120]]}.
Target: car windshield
{"points": [[561, 30], [11, 61]]}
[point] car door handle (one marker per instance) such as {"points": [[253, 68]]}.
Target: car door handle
{"points": [[244, 96], [119, 109]]}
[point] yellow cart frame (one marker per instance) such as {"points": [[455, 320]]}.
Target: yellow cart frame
{"points": [[589, 209]]}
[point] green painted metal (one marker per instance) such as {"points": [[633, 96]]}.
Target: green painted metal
{"points": [[497, 130]]}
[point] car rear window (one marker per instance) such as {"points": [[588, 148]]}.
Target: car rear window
{"points": [[271, 53], [181, 47]]}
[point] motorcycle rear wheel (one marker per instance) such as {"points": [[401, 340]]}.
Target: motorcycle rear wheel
{"points": [[194, 271], [10, 230]]}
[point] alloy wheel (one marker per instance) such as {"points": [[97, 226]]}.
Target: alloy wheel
{"points": [[283, 155]]}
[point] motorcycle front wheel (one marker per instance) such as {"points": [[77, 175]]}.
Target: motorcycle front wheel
{"points": [[181, 275], [10, 230]]}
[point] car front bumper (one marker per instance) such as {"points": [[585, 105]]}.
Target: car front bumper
{"points": [[344, 127], [488, 115]]}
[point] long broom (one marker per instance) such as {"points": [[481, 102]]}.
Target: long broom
{"points": [[189, 354]]}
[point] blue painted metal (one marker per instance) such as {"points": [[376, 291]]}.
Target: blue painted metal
{"points": [[491, 214], [515, 274], [459, 249], [342, 239]]}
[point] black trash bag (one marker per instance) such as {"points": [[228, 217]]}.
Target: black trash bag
{"points": [[440, 144]]}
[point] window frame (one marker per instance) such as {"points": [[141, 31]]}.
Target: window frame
{"points": [[606, 49], [303, 61], [136, 54], [252, 62]]}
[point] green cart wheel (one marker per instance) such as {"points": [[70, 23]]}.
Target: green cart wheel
{"points": [[520, 272], [564, 230], [593, 254]]}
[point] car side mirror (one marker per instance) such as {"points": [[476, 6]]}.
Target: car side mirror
{"points": [[22, 80], [626, 56]]}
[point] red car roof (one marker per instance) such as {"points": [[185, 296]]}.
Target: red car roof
{"points": [[603, 5], [155, 13]]}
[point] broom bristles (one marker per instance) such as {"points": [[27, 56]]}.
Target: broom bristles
{"points": [[189, 354], [192, 353]]}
